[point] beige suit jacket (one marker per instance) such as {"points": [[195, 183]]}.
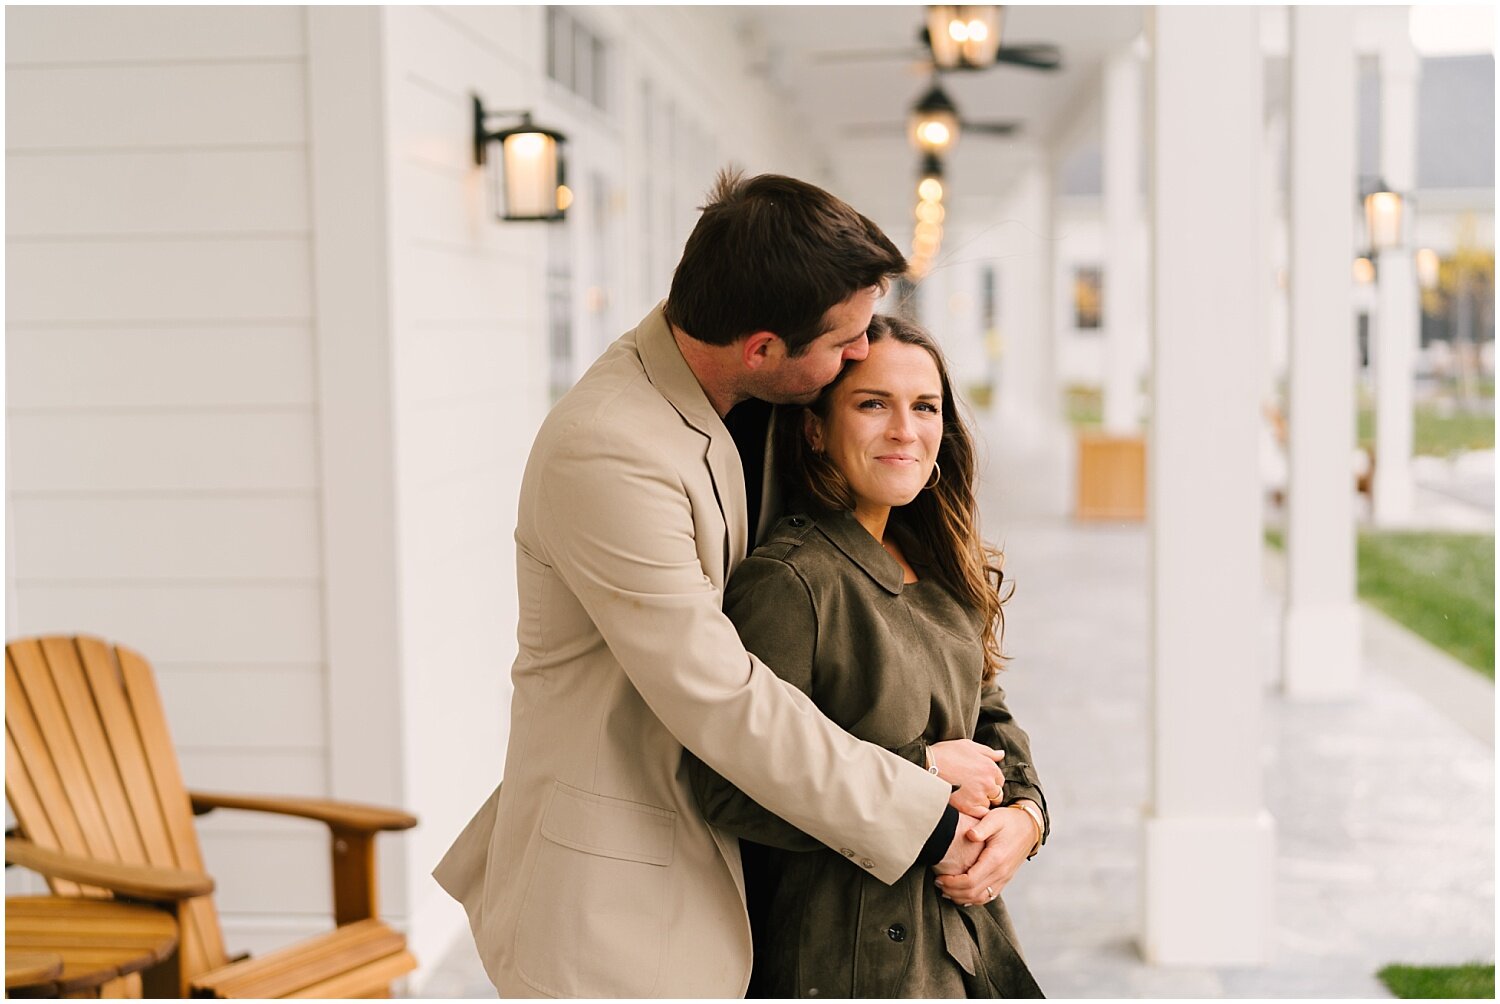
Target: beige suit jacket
{"points": [[590, 871]]}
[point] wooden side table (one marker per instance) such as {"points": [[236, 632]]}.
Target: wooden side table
{"points": [[91, 942]]}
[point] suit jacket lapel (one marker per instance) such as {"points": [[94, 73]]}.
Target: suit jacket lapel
{"points": [[669, 373]]}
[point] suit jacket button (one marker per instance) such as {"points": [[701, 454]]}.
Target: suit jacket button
{"points": [[896, 932], [797, 521], [846, 852], [867, 863]]}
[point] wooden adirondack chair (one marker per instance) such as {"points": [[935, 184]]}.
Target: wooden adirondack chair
{"points": [[102, 811]]}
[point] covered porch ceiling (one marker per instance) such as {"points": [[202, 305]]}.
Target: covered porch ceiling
{"points": [[851, 74]]}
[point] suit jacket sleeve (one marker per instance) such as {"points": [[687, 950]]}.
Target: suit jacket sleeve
{"points": [[769, 605], [616, 523], [997, 729]]}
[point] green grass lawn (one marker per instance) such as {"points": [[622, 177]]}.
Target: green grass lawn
{"points": [[1435, 434], [1440, 981], [1439, 585]]}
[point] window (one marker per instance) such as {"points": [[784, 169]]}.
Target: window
{"points": [[1088, 292], [576, 57]]}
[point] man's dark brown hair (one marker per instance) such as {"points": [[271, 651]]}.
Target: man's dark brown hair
{"points": [[771, 253]]}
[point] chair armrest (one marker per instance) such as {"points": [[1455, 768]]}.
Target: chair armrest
{"points": [[338, 815], [147, 882]]}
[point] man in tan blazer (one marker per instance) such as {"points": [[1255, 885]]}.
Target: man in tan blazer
{"points": [[590, 872]]}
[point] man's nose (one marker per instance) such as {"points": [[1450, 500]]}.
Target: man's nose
{"points": [[857, 350]]}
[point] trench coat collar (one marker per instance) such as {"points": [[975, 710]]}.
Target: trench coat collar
{"points": [[850, 537], [670, 374]]}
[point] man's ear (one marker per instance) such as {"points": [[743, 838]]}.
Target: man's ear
{"points": [[812, 428], [758, 347]]}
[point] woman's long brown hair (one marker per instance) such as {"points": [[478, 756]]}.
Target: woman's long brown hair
{"points": [[944, 519]]}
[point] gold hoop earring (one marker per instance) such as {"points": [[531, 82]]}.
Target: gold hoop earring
{"points": [[937, 475]]}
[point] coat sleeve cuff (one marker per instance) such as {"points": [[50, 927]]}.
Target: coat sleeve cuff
{"points": [[942, 838]]}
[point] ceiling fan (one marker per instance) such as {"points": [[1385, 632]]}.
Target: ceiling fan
{"points": [[965, 38], [935, 124]]}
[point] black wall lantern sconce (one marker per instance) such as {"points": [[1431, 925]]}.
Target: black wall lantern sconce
{"points": [[525, 164]]}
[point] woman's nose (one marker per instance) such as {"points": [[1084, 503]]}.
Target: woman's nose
{"points": [[901, 429]]}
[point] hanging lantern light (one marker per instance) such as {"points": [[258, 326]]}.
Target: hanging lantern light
{"points": [[930, 185], [963, 38], [1385, 211], [934, 122], [1429, 268], [527, 170]]}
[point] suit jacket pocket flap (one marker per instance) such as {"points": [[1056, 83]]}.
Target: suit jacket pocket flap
{"points": [[609, 827]]}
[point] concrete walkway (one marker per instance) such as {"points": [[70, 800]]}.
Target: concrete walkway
{"points": [[1384, 806]]}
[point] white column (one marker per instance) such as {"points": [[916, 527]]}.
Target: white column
{"points": [[1208, 840], [1124, 244], [1397, 317], [1030, 447], [1320, 642]]}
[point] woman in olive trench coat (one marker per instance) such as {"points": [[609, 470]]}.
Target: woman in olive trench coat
{"points": [[876, 598]]}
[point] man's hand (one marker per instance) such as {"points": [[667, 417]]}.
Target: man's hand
{"points": [[975, 768], [963, 852], [1007, 835]]}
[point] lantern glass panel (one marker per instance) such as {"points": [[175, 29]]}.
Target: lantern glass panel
{"points": [[1383, 212], [945, 48], [530, 166]]}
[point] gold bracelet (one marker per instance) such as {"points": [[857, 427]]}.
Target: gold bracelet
{"points": [[1035, 815]]}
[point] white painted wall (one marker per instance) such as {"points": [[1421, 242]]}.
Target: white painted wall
{"points": [[273, 370], [163, 470], [1080, 243]]}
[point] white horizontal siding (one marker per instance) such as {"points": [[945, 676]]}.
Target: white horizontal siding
{"points": [[198, 366], [459, 362], [66, 281], [175, 622], [41, 35], [510, 33], [163, 464], [292, 772], [163, 453], [129, 539], [273, 876], [452, 284], [471, 383], [244, 707], [140, 107], [174, 192]]}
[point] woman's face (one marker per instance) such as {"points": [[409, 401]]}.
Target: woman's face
{"points": [[884, 424]]}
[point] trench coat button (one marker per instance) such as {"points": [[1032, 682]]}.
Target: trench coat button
{"points": [[867, 863], [896, 932], [812, 991], [797, 521], [846, 852]]}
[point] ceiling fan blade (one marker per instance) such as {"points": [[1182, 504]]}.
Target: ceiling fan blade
{"points": [[1040, 56], [990, 128], [872, 128], [866, 55]]}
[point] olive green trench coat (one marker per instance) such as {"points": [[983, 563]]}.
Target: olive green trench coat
{"points": [[898, 665]]}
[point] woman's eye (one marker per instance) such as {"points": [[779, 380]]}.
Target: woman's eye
{"points": [[927, 406], [872, 403]]}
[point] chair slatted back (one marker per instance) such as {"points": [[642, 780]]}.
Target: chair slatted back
{"points": [[90, 770]]}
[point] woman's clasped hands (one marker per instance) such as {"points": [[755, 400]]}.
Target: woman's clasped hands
{"points": [[1006, 835], [974, 771]]}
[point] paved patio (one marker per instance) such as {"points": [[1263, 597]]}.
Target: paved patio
{"points": [[1384, 806]]}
